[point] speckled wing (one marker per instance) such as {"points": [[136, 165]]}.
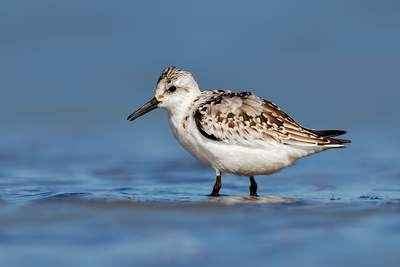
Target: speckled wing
{"points": [[245, 119]]}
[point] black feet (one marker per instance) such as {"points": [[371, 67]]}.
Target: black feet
{"points": [[217, 186], [253, 187]]}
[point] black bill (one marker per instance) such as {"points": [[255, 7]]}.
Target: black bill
{"points": [[149, 106]]}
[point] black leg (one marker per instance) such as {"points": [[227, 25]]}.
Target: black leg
{"points": [[217, 186], [253, 187]]}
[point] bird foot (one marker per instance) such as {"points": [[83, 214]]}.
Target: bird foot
{"points": [[214, 194]]}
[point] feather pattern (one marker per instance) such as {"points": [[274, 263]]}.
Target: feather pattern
{"points": [[245, 119]]}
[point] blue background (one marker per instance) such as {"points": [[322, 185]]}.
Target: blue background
{"points": [[81, 67]]}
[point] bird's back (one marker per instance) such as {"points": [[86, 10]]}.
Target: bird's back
{"points": [[243, 118]]}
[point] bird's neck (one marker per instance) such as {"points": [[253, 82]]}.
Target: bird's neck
{"points": [[179, 116]]}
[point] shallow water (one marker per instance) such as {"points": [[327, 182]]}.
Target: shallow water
{"points": [[71, 206]]}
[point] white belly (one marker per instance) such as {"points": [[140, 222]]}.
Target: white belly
{"points": [[238, 159]]}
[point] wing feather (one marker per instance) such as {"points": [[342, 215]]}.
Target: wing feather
{"points": [[245, 119]]}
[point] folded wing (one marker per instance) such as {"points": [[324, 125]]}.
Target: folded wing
{"points": [[243, 118]]}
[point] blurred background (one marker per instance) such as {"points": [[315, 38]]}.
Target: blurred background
{"points": [[81, 67], [72, 71]]}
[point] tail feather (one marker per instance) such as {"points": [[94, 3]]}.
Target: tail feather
{"points": [[343, 141], [331, 133], [327, 133]]}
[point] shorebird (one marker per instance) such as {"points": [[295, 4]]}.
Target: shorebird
{"points": [[237, 133]]}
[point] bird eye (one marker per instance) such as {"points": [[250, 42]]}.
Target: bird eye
{"points": [[172, 88]]}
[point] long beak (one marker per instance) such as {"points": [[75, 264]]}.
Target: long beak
{"points": [[149, 106]]}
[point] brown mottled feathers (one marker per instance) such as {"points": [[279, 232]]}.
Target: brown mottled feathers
{"points": [[243, 118]]}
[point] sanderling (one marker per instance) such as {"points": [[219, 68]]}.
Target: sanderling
{"points": [[237, 133]]}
